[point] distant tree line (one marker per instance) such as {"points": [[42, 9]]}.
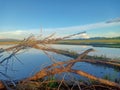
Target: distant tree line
{"points": [[98, 38]]}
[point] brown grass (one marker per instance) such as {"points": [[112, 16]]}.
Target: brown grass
{"points": [[56, 67]]}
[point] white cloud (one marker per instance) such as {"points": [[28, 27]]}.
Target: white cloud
{"points": [[108, 34], [111, 34], [59, 31], [18, 32], [85, 35], [116, 20], [75, 29], [83, 27], [1, 37], [12, 34]]}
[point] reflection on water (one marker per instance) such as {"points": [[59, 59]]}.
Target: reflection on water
{"points": [[99, 71], [32, 60], [100, 51]]}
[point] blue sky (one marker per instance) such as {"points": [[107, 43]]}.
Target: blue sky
{"points": [[20, 18]]}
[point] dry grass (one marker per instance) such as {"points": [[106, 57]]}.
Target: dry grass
{"points": [[34, 82], [91, 41], [9, 43]]}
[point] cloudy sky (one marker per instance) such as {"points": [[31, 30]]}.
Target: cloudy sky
{"points": [[20, 18]]}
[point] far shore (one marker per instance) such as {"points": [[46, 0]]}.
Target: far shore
{"points": [[111, 43], [9, 43]]}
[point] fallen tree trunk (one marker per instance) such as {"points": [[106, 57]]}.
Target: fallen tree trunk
{"points": [[1, 85], [46, 72], [63, 66], [33, 43], [100, 62], [103, 81], [66, 66], [74, 55]]}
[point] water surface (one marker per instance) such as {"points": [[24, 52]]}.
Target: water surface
{"points": [[32, 60]]}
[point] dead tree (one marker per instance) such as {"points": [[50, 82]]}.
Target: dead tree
{"points": [[66, 66]]}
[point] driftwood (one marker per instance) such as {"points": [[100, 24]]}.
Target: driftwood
{"points": [[74, 55], [107, 63], [52, 70], [65, 66], [1, 85], [31, 42]]}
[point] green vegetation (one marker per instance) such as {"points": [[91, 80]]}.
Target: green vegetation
{"points": [[107, 77], [52, 83], [105, 42], [113, 43], [48, 72]]}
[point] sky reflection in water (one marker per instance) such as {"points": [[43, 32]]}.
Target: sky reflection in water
{"points": [[33, 60]]}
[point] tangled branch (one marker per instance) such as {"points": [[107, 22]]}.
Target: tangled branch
{"points": [[57, 67]]}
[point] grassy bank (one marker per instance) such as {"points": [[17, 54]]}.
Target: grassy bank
{"points": [[9, 43], [113, 43], [45, 78]]}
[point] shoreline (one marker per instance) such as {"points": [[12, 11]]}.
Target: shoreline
{"points": [[113, 43], [94, 45], [110, 43]]}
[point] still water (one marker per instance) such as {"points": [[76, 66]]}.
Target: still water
{"points": [[29, 61]]}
